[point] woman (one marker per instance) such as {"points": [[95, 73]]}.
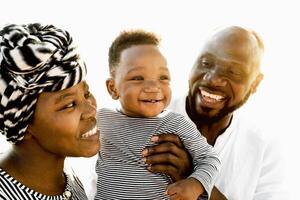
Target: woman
{"points": [[46, 111]]}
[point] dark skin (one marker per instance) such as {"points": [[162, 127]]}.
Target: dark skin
{"points": [[227, 68], [47, 143], [168, 156]]}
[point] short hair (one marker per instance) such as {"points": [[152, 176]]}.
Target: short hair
{"points": [[125, 40]]}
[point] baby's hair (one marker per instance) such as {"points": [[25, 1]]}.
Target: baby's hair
{"points": [[125, 40]]}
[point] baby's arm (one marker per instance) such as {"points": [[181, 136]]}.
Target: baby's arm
{"points": [[205, 160]]}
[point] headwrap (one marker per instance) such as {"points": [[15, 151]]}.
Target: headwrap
{"points": [[33, 59]]}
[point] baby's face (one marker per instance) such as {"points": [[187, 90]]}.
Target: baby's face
{"points": [[142, 81]]}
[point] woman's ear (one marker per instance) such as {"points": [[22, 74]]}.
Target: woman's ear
{"points": [[111, 88], [28, 133]]}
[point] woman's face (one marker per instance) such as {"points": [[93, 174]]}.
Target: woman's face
{"points": [[64, 122]]}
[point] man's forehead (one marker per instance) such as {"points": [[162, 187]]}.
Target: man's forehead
{"points": [[234, 48]]}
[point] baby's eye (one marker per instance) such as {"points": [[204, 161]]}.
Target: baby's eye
{"points": [[137, 78], [164, 77]]}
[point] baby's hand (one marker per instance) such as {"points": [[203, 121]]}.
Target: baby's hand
{"points": [[187, 189]]}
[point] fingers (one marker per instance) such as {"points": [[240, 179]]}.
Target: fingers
{"points": [[185, 189], [167, 147], [172, 192], [166, 158], [172, 138], [166, 169], [175, 197]]}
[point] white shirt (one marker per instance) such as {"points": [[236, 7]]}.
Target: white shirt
{"points": [[252, 165]]}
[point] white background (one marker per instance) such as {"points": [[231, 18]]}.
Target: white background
{"points": [[183, 25]]}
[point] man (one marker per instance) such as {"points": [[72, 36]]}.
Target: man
{"points": [[224, 76]]}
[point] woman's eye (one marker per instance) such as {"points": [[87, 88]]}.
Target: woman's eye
{"points": [[70, 105], [137, 78]]}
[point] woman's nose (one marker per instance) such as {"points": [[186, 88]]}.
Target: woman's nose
{"points": [[89, 109]]}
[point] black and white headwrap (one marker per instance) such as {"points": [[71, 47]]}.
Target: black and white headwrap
{"points": [[33, 59]]}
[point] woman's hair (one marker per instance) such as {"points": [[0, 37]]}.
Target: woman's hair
{"points": [[34, 58]]}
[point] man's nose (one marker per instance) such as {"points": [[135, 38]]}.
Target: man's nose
{"points": [[151, 86], [215, 78]]}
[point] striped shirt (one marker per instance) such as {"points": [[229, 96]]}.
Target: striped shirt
{"points": [[121, 172], [11, 189]]}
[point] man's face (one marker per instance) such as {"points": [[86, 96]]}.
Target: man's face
{"points": [[224, 76], [142, 81]]}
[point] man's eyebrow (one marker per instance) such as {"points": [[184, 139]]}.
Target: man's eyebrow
{"points": [[64, 96]]}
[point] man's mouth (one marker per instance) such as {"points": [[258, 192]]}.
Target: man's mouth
{"points": [[211, 97]]}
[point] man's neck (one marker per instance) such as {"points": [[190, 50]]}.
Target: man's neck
{"points": [[213, 130], [210, 130]]}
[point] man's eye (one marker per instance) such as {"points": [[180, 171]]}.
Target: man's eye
{"points": [[234, 72], [205, 63], [137, 78], [88, 95]]}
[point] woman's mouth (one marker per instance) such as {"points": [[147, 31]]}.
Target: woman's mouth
{"points": [[90, 133]]}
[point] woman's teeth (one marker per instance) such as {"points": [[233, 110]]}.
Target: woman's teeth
{"points": [[90, 132]]}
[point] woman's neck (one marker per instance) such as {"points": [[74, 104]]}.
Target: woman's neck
{"points": [[37, 169]]}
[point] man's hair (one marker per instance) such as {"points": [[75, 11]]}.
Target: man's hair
{"points": [[125, 40]]}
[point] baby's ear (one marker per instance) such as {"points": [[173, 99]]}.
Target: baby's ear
{"points": [[111, 88]]}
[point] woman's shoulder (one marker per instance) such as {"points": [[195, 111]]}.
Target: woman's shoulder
{"points": [[74, 186]]}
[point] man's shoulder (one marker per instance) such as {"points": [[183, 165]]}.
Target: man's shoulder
{"points": [[252, 132]]}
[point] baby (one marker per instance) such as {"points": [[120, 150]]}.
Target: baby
{"points": [[140, 80]]}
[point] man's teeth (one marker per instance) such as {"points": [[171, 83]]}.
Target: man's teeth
{"points": [[90, 132], [212, 96]]}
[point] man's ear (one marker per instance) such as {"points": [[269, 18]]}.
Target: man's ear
{"points": [[111, 88], [256, 82]]}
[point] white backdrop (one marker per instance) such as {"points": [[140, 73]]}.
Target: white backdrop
{"points": [[183, 25]]}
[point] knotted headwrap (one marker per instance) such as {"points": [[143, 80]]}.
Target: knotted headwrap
{"points": [[33, 59]]}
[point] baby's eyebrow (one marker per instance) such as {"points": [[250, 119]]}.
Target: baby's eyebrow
{"points": [[139, 68]]}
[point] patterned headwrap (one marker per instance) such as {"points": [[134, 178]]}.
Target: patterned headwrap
{"points": [[33, 59]]}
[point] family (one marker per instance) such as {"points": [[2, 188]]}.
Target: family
{"points": [[152, 147]]}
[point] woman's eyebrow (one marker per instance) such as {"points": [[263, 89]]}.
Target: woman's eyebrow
{"points": [[64, 96]]}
